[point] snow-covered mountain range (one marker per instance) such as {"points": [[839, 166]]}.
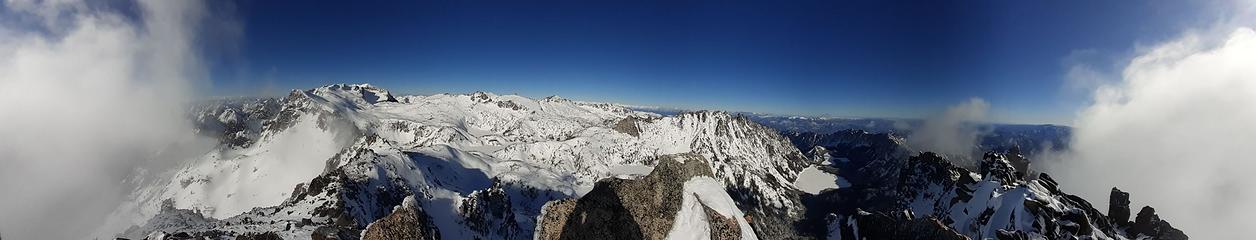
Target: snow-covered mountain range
{"points": [[354, 161]]}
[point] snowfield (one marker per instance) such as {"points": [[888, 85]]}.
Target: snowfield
{"points": [[330, 162], [458, 155]]}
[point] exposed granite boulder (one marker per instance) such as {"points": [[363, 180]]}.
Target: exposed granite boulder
{"points": [[408, 221], [1119, 207], [722, 227], [625, 209], [553, 218]]}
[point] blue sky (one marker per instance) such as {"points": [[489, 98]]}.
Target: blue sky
{"points": [[839, 58]]}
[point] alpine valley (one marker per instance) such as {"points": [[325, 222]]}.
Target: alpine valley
{"points": [[356, 162]]}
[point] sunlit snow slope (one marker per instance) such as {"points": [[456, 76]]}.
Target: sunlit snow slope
{"points": [[332, 160]]}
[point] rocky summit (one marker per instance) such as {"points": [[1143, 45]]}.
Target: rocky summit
{"points": [[927, 197], [643, 208], [353, 161]]}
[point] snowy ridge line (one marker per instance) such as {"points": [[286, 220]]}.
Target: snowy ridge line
{"points": [[479, 165], [927, 196]]}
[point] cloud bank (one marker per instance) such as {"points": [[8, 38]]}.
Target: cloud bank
{"points": [[952, 132], [91, 91], [1177, 132]]}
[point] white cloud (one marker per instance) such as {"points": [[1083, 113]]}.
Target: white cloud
{"points": [[1177, 132], [88, 96], [1088, 69], [952, 132]]}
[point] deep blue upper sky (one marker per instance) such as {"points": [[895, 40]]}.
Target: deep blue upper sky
{"points": [[841, 58]]}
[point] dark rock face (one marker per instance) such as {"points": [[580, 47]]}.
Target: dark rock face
{"points": [[853, 144], [871, 161], [1119, 207], [259, 236], [628, 126], [895, 226], [1148, 224], [996, 166], [553, 218], [819, 155], [896, 193], [722, 227], [625, 209], [928, 187], [1012, 235], [232, 121], [1018, 161], [407, 222], [489, 211]]}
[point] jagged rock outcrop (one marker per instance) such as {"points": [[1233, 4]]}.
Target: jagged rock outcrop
{"points": [[1148, 224], [756, 163], [721, 227], [1119, 207], [820, 155], [486, 166], [872, 158], [616, 208], [489, 211], [234, 122], [891, 226], [408, 221], [995, 166], [360, 94], [1019, 162], [452, 150], [996, 202], [259, 236], [628, 125]]}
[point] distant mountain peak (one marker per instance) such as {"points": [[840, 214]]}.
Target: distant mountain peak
{"points": [[353, 161], [555, 98], [365, 92]]}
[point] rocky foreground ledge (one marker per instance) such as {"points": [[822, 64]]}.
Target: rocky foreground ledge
{"points": [[645, 208]]}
